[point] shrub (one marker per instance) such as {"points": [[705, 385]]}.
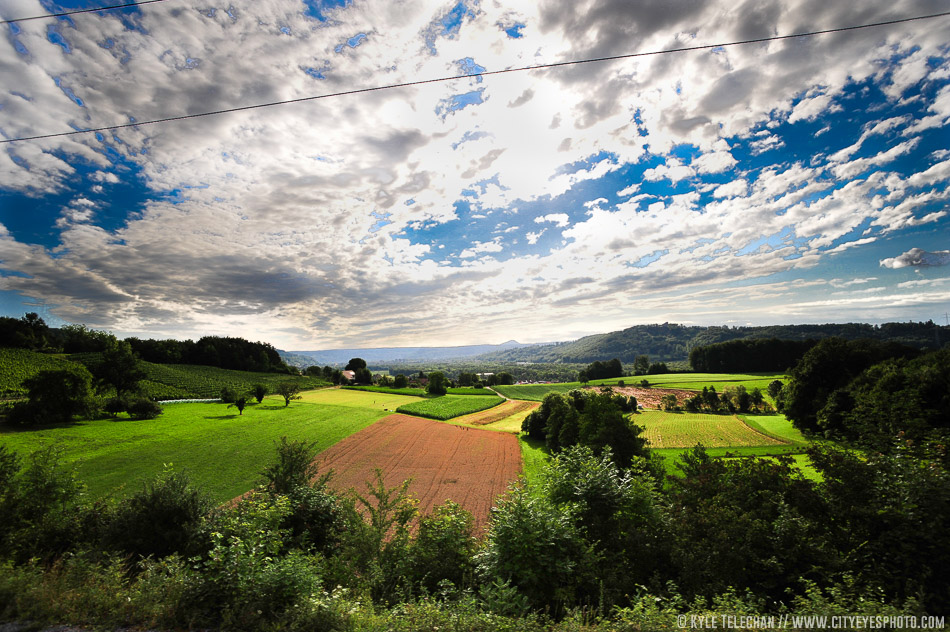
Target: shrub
{"points": [[228, 395], [443, 549], [164, 517], [295, 466], [56, 396], [116, 405], [143, 408]]}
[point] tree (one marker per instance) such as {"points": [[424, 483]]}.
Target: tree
{"points": [[401, 381], [668, 401], [774, 388], [582, 377], [641, 366], [240, 403], [657, 368], [504, 379], [55, 396], [119, 369], [436, 385], [288, 390], [354, 364], [362, 375], [259, 390]]}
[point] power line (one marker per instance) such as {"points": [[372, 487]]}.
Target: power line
{"points": [[75, 11], [420, 82]]}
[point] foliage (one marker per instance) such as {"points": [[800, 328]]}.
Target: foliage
{"points": [[259, 391], [38, 503], [143, 408], [825, 368], [586, 418], [601, 370], [450, 406], [18, 365], [756, 354], [167, 381], [118, 369], [295, 466], [240, 403], [56, 396], [401, 381], [217, 351], [669, 341], [288, 390], [162, 518], [536, 547], [443, 549], [437, 383]]}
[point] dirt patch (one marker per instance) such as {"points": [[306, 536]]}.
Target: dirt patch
{"points": [[650, 397], [445, 462]]}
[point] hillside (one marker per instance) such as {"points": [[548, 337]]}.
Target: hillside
{"points": [[333, 357], [671, 342]]}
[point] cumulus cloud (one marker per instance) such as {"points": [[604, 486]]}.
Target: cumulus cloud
{"points": [[295, 218], [916, 257], [559, 219]]}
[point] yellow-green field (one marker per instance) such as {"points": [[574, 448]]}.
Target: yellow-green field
{"points": [[357, 399], [684, 430], [505, 417]]}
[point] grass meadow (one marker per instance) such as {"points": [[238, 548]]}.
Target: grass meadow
{"points": [[222, 451]]}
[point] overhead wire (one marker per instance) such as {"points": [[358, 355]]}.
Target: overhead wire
{"points": [[75, 11], [487, 73]]}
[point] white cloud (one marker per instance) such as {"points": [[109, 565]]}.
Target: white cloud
{"points": [[559, 219], [290, 191], [918, 258]]}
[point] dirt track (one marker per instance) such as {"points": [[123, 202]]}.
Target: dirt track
{"points": [[467, 465]]}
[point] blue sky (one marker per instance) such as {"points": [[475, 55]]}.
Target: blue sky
{"points": [[796, 181]]}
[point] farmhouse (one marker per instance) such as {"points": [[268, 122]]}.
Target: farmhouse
{"points": [[349, 375]]}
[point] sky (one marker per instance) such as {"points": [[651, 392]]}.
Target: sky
{"points": [[800, 180]]}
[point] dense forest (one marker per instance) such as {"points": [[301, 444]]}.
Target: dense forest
{"points": [[31, 332], [671, 342]]}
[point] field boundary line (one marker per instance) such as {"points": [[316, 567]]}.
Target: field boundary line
{"points": [[765, 433]]}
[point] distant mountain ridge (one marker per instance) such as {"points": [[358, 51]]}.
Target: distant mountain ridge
{"points": [[672, 342], [391, 354]]}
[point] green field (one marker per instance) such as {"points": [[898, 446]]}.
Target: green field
{"points": [[449, 406], [177, 381], [385, 402], [684, 430], [414, 392], [534, 456], [17, 365], [222, 451], [688, 381]]}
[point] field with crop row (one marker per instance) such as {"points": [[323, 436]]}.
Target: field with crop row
{"points": [[505, 417], [449, 406], [686, 381], [17, 365], [684, 430], [466, 465], [177, 381]]}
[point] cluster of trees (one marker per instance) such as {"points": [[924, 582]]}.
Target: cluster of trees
{"points": [[747, 535], [868, 392], [594, 419], [109, 383], [734, 399], [737, 356], [669, 341], [223, 352], [598, 370], [502, 378]]}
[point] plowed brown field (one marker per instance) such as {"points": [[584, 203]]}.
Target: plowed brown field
{"points": [[445, 462], [503, 411]]}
